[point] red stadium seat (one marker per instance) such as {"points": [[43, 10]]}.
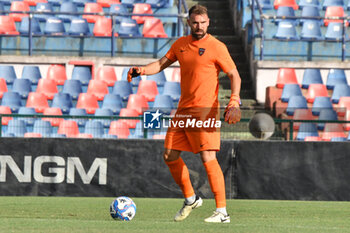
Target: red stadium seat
{"points": [[137, 102], [18, 6], [33, 2], [290, 3], [126, 112], [153, 28], [84, 135], [92, 7], [38, 101], [334, 11], [48, 87], [88, 102], [3, 87], [315, 90], [176, 75], [148, 88], [7, 25], [302, 114], [107, 3], [5, 110], [286, 75], [141, 8], [57, 73], [119, 128], [312, 139], [69, 128], [97, 88], [32, 135], [53, 112], [343, 105], [103, 27], [107, 75], [332, 130]]}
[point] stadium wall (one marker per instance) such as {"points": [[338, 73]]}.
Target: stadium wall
{"points": [[252, 169]]}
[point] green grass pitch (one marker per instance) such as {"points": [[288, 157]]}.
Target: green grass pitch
{"points": [[155, 215]]}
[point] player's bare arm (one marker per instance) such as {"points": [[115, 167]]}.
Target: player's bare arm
{"points": [[232, 112], [152, 68]]}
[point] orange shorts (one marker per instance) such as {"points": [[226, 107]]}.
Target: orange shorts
{"points": [[193, 139]]}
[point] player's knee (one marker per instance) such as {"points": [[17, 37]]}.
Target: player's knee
{"points": [[170, 155]]}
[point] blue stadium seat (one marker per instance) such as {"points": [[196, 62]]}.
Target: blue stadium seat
{"points": [[138, 132], [43, 7], [327, 115], [156, 3], [119, 9], [32, 73], [134, 82], [57, 2], [310, 11], [43, 127], [78, 112], [306, 130], [321, 102], [285, 11], [334, 77], [27, 111], [296, 102], [66, 7], [311, 31], [164, 103], [159, 78], [311, 76], [334, 32], [340, 90], [24, 26], [95, 128], [22, 87], [338, 139], [8, 73], [129, 28], [73, 88], [327, 3], [104, 112], [112, 102], [17, 127], [79, 27], [83, 74], [286, 31], [12, 100], [290, 90], [173, 89], [312, 3], [81, 3], [63, 101], [130, 3], [109, 136], [54, 26], [123, 89]]}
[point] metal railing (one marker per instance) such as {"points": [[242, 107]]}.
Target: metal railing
{"points": [[238, 131], [258, 24], [180, 24]]}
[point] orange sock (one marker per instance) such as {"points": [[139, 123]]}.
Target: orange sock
{"points": [[179, 171], [216, 181]]}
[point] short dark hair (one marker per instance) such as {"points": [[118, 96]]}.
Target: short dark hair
{"points": [[198, 10]]}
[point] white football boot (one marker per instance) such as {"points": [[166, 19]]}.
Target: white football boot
{"points": [[218, 217], [187, 209]]}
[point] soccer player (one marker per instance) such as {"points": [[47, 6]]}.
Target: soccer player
{"points": [[201, 58]]}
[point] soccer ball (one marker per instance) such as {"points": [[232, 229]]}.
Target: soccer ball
{"points": [[123, 208]]}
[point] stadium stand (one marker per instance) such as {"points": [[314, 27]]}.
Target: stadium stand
{"points": [[63, 101], [12, 100]]}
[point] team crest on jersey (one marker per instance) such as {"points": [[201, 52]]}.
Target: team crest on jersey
{"points": [[201, 51]]}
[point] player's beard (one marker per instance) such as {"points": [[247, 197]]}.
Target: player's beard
{"points": [[198, 36]]}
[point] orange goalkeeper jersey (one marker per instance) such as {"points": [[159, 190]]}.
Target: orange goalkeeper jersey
{"points": [[200, 63]]}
